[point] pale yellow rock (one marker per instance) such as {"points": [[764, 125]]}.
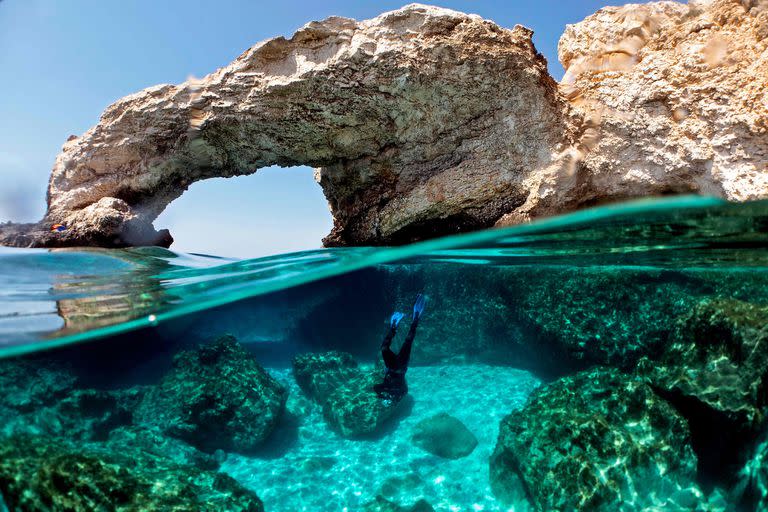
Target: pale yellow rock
{"points": [[685, 108], [422, 121]]}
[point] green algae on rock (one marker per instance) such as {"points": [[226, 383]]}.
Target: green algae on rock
{"points": [[719, 356], [45, 474], [319, 374], [715, 372], [598, 441], [215, 397], [444, 436], [345, 391]]}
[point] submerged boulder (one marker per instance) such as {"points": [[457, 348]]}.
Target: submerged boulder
{"points": [[345, 392], [319, 374], [444, 436], [598, 441], [715, 372], [215, 397], [45, 474], [719, 357], [354, 409]]}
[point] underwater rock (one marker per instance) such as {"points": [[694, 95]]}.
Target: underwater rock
{"points": [[345, 391], [715, 372], [31, 383], [91, 414], [751, 488], [154, 442], [422, 121], [381, 504], [44, 474], [215, 397], [597, 441], [444, 436], [605, 316], [41, 397], [719, 357], [319, 374], [354, 409]]}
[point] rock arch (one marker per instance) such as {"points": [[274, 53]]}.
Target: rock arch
{"points": [[425, 121], [421, 122]]}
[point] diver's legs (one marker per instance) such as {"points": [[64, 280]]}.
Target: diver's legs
{"points": [[404, 356], [390, 359]]}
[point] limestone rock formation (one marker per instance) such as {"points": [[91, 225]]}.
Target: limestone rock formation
{"points": [[216, 397], [673, 100], [425, 121], [422, 121]]}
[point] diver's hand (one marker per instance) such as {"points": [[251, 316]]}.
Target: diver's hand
{"points": [[418, 306], [394, 320]]}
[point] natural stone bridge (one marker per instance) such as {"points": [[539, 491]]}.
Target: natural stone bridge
{"points": [[425, 121]]}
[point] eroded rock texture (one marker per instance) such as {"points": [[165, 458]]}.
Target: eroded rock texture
{"points": [[216, 397], [673, 100], [425, 121], [597, 440], [422, 121]]}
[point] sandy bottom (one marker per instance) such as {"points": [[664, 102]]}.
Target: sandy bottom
{"points": [[307, 467]]}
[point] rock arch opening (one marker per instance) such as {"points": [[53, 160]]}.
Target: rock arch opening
{"points": [[275, 210]]}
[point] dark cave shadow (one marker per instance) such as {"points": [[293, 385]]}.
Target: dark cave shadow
{"points": [[282, 440]]}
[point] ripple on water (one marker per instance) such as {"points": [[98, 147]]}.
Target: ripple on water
{"points": [[307, 467]]}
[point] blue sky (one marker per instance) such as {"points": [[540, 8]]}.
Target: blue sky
{"points": [[63, 62]]}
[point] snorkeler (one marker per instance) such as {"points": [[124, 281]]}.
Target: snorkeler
{"points": [[394, 387]]}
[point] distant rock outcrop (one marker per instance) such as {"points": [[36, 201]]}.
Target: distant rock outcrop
{"points": [[425, 121]]}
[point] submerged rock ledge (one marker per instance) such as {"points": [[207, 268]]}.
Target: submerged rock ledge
{"points": [[425, 121]]}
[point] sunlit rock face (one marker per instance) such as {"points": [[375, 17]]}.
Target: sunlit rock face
{"points": [[673, 100], [422, 121]]}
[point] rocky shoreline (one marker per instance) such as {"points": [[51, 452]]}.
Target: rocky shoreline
{"points": [[424, 122]]}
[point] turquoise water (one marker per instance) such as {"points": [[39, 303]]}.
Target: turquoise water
{"points": [[611, 359]]}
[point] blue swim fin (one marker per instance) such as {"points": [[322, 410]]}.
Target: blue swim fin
{"points": [[418, 306], [394, 320]]}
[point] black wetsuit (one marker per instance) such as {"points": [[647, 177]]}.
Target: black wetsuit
{"points": [[394, 386]]}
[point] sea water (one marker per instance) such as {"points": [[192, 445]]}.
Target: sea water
{"points": [[509, 311]]}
